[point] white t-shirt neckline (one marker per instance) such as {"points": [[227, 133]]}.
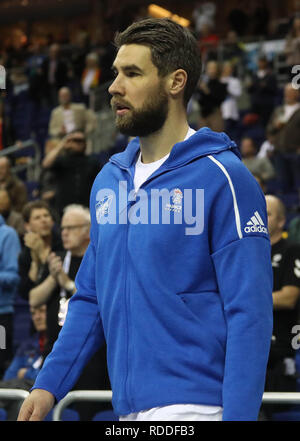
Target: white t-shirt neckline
{"points": [[143, 171]]}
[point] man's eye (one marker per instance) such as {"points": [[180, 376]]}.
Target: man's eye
{"points": [[132, 74]]}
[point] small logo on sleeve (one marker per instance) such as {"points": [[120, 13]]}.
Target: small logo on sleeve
{"points": [[256, 225]]}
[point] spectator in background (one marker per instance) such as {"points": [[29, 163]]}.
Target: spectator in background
{"points": [[229, 106], [103, 46], [74, 171], [79, 53], [234, 50], [69, 116], [261, 182], [292, 45], [262, 87], [208, 43], [34, 72], [284, 126], [281, 370], [9, 252], [55, 74], [12, 218], [58, 279], [211, 93], [27, 359], [90, 76], [1, 121], [260, 19], [294, 230], [40, 239], [16, 188], [203, 14], [57, 288], [257, 166], [267, 147], [26, 363]]}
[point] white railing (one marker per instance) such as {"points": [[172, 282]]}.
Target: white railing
{"points": [[106, 396], [32, 167], [80, 395], [13, 394]]}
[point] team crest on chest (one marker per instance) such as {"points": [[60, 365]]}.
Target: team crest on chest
{"points": [[176, 205]]}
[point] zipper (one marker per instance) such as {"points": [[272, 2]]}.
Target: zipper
{"points": [[127, 297]]}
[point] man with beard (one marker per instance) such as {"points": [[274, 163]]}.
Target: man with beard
{"points": [[179, 308], [73, 171]]}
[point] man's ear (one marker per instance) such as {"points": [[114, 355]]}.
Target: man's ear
{"points": [[177, 82], [282, 222]]}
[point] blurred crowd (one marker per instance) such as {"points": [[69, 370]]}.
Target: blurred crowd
{"points": [[44, 229]]}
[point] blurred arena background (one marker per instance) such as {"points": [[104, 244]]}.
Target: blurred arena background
{"points": [[60, 52]]}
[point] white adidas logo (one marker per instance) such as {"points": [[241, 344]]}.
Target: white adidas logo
{"points": [[256, 225]]}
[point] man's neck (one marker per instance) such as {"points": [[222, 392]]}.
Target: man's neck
{"points": [[47, 240], [159, 144], [276, 238], [79, 252]]}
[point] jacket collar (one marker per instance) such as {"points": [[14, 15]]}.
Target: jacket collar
{"points": [[202, 143]]}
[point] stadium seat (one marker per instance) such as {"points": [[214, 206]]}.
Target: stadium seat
{"points": [[2, 415], [289, 415], [67, 415], [106, 415], [22, 321]]}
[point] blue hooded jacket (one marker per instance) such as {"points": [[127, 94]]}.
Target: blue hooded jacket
{"points": [[185, 308], [10, 248]]}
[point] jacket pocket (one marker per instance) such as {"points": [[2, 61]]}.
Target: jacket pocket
{"points": [[206, 308]]}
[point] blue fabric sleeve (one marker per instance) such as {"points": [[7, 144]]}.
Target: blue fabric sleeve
{"points": [[10, 249], [80, 337], [242, 261], [244, 275], [18, 362]]}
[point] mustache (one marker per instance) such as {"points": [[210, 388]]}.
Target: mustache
{"points": [[117, 103]]}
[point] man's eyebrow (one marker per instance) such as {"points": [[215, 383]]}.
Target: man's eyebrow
{"points": [[127, 68]]}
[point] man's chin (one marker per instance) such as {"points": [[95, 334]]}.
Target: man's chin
{"points": [[45, 233]]}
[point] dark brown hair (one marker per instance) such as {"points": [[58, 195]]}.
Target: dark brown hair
{"points": [[172, 47], [32, 205]]}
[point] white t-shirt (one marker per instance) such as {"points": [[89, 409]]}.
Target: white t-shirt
{"points": [[88, 81], [143, 171], [177, 412], [174, 412], [69, 122]]}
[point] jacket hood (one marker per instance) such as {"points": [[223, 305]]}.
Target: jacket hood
{"points": [[204, 142]]}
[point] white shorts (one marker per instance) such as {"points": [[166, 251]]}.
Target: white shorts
{"points": [[177, 412]]}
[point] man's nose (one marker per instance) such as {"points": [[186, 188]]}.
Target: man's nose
{"points": [[116, 88]]}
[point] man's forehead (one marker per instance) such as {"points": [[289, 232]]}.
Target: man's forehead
{"points": [[72, 215], [38, 212], [133, 55]]}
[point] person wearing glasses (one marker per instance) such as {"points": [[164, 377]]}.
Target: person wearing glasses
{"points": [[73, 171], [186, 313], [58, 287]]}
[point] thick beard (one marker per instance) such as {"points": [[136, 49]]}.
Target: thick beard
{"points": [[146, 120]]}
